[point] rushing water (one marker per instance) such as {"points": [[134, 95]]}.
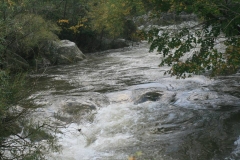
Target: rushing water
{"points": [[119, 103]]}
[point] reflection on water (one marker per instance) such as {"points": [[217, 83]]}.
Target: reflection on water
{"points": [[119, 103]]}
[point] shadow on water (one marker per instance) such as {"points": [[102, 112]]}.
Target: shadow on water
{"points": [[207, 135], [47, 83], [212, 135]]}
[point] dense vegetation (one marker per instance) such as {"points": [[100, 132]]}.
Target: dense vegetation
{"points": [[27, 25], [20, 137]]}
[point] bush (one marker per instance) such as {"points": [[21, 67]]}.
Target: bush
{"points": [[20, 137], [23, 39]]}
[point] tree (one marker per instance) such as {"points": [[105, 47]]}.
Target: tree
{"points": [[110, 16], [219, 24], [20, 137], [22, 35]]}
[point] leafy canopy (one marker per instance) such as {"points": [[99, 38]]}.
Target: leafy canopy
{"points": [[111, 15], [22, 34], [214, 41]]}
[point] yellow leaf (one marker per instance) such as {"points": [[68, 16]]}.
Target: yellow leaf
{"points": [[132, 158]]}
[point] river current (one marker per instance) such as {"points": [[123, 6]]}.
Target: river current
{"points": [[118, 103]]}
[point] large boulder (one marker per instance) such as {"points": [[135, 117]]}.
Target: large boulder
{"points": [[63, 52]]}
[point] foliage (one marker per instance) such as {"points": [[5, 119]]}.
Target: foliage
{"points": [[218, 26], [22, 34], [71, 17], [20, 138], [111, 16], [71, 28]]}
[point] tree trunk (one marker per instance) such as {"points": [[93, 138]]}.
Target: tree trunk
{"points": [[65, 9]]}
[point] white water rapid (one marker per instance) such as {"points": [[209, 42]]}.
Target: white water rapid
{"points": [[119, 103]]}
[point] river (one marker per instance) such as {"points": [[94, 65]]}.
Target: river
{"points": [[118, 103]]}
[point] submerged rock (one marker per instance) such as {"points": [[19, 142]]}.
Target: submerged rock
{"points": [[149, 96]]}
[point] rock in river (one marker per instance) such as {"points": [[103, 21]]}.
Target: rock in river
{"points": [[63, 52]]}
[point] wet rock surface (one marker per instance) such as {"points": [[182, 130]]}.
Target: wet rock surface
{"points": [[149, 96]]}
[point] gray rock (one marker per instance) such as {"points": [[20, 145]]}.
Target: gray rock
{"points": [[149, 96], [63, 52]]}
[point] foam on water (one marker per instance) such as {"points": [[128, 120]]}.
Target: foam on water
{"points": [[235, 155], [110, 129], [115, 126], [124, 124], [237, 150], [121, 119]]}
